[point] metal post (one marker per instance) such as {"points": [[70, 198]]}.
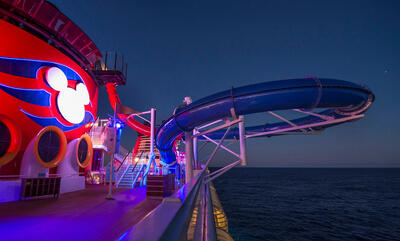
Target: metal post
{"points": [[105, 60], [242, 140], [152, 155], [109, 195], [152, 123], [122, 64], [196, 163], [102, 160], [122, 68], [189, 156], [112, 153], [115, 60]]}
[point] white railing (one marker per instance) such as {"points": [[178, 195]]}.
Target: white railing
{"points": [[176, 212], [121, 172], [140, 170], [126, 163], [141, 164]]}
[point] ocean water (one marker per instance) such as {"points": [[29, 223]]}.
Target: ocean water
{"points": [[311, 203]]}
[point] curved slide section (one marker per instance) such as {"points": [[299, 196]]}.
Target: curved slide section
{"points": [[116, 103], [339, 98]]}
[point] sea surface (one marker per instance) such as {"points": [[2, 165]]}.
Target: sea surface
{"points": [[311, 203]]}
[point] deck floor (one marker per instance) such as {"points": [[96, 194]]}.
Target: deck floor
{"points": [[81, 215]]}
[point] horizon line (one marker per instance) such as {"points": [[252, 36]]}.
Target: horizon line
{"points": [[341, 167]]}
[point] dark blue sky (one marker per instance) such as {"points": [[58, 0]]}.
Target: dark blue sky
{"points": [[196, 48]]}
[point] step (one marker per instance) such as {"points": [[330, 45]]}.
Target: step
{"points": [[155, 188], [126, 183], [126, 179], [158, 177]]}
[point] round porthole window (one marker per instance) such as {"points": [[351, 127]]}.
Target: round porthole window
{"points": [[10, 140], [84, 151], [50, 146]]}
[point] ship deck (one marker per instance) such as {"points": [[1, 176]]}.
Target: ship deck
{"points": [[80, 215]]}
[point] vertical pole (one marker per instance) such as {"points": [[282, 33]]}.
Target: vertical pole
{"points": [[122, 65], [151, 156], [115, 61], [109, 195], [152, 120], [242, 140], [152, 127], [195, 161], [105, 60], [102, 160], [114, 137], [188, 156]]}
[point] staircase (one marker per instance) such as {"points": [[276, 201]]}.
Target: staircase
{"points": [[144, 147], [129, 166], [133, 176], [128, 180]]}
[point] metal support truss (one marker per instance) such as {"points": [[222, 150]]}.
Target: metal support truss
{"points": [[324, 122], [227, 124], [325, 117], [285, 120], [220, 171], [302, 129]]}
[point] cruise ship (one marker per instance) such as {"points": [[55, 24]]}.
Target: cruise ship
{"points": [[64, 175]]}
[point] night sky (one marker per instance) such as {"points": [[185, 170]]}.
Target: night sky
{"points": [[196, 48]]}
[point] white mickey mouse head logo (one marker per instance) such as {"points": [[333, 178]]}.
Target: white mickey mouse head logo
{"points": [[70, 102]]}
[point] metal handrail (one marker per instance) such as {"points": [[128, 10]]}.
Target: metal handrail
{"points": [[124, 159], [171, 217], [137, 162], [141, 168], [122, 169], [205, 226], [135, 178]]}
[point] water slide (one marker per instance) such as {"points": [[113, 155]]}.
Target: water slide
{"points": [[123, 111], [332, 98]]}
